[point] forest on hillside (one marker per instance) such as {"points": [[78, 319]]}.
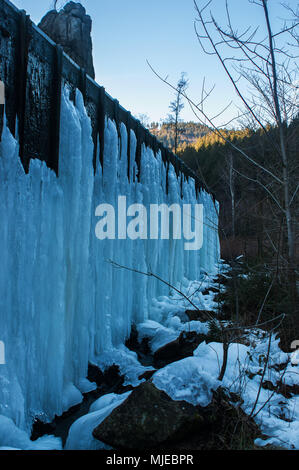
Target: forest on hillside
{"points": [[189, 133], [245, 210], [251, 221], [250, 162]]}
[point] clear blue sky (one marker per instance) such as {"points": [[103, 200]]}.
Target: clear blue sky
{"points": [[128, 32]]}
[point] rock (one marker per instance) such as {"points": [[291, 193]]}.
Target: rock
{"points": [[284, 389], [146, 419], [109, 381], [225, 426], [147, 374], [71, 28], [39, 429], [178, 349], [288, 390], [235, 398], [142, 347], [279, 367], [207, 291], [268, 385], [222, 279]]}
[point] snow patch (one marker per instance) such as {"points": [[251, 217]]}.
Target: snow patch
{"points": [[126, 360], [13, 437], [80, 434]]}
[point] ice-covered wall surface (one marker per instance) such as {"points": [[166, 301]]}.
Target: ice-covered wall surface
{"points": [[61, 302]]}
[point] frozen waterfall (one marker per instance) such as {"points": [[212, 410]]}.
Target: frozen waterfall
{"points": [[61, 302]]}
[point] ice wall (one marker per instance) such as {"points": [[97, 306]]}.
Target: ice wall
{"points": [[61, 302]]}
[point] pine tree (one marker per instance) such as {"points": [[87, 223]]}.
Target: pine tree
{"points": [[176, 106]]}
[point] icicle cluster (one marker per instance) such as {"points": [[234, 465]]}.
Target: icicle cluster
{"points": [[61, 302]]}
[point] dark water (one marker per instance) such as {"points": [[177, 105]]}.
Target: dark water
{"points": [[108, 382]]}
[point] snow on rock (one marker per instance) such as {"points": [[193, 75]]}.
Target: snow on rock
{"points": [[85, 386], [126, 360], [160, 335], [291, 376], [186, 380], [80, 434], [193, 325], [175, 304], [193, 379], [71, 397], [9, 448], [211, 357], [106, 400], [157, 334]]}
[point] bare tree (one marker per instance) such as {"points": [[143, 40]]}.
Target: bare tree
{"points": [[270, 70], [263, 73], [230, 176], [176, 106], [144, 119]]}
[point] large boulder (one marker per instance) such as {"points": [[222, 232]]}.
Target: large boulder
{"points": [[71, 28], [147, 419]]}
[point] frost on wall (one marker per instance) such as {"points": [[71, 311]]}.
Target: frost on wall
{"points": [[61, 302]]}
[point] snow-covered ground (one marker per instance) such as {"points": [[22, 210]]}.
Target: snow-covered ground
{"points": [[193, 378]]}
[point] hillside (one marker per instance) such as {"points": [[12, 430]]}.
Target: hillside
{"points": [[189, 133]]}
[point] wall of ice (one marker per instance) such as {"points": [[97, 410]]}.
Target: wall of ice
{"points": [[61, 302]]}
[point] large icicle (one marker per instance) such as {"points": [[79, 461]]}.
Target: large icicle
{"points": [[61, 303]]}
